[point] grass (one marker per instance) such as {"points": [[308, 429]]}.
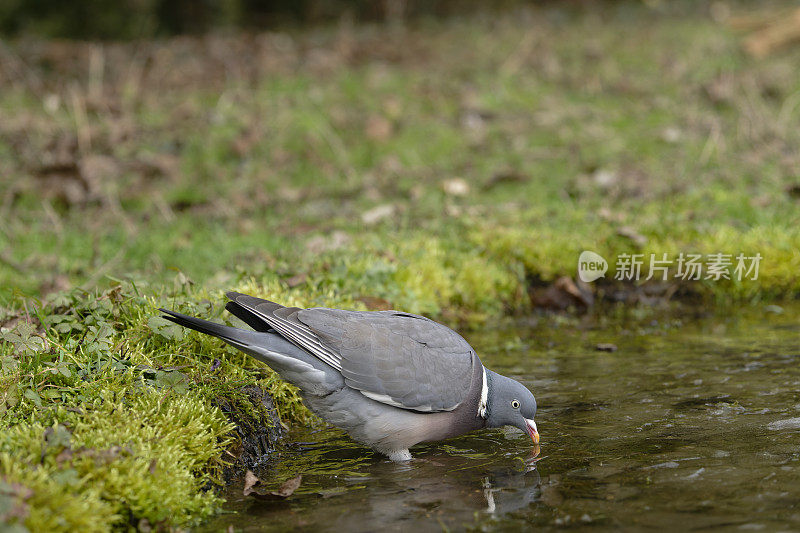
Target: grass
{"points": [[436, 168]]}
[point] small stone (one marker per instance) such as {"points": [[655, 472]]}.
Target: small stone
{"points": [[671, 134], [456, 187], [789, 423], [377, 213], [604, 178]]}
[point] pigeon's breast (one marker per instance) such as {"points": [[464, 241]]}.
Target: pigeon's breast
{"points": [[462, 419]]}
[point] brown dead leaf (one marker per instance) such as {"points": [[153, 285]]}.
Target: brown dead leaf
{"points": [[297, 279], [156, 166], [609, 215], [374, 303], [378, 128], [56, 283], [64, 456], [505, 177], [721, 90], [61, 181], [562, 294], [247, 140], [776, 34], [287, 488], [320, 243], [14, 496], [96, 169], [12, 320], [250, 481], [630, 233]]}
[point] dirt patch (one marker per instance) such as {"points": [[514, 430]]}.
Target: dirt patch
{"points": [[568, 294]]}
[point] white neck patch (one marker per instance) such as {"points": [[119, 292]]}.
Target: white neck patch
{"points": [[482, 406]]}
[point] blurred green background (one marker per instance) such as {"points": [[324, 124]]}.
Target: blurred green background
{"points": [[457, 162], [108, 19]]}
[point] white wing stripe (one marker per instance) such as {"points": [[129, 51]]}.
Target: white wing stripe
{"points": [[304, 340]]}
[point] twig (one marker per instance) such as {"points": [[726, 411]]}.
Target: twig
{"points": [[97, 64], [81, 120], [58, 226], [92, 281], [517, 58], [21, 69], [711, 145], [778, 34], [6, 258]]}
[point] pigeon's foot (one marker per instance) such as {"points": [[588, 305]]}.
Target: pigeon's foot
{"points": [[399, 456]]}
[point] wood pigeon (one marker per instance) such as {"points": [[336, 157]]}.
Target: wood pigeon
{"points": [[389, 379]]}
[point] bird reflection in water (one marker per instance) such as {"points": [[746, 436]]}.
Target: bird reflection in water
{"points": [[506, 492]]}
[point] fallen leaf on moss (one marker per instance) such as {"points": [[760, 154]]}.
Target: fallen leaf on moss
{"points": [[12, 502], [320, 244], [284, 491], [64, 456], [561, 294], [630, 233], [297, 279], [374, 303], [505, 177], [378, 128]]}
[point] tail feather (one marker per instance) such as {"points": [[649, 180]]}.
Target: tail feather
{"points": [[248, 317], [294, 364], [231, 335]]}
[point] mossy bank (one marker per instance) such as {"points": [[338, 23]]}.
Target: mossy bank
{"points": [[455, 169]]}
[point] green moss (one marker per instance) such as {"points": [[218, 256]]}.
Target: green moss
{"points": [[133, 453], [55, 500], [106, 418]]}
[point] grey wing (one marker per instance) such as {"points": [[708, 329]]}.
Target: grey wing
{"points": [[396, 358], [263, 315]]}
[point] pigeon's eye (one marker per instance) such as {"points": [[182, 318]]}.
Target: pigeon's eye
{"points": [[515, 404]]}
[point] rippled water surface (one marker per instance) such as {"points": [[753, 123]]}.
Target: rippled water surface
{"points": [[692, 423]]}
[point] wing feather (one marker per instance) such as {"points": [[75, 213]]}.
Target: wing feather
{"points": [[282, 320], [399, 359]]}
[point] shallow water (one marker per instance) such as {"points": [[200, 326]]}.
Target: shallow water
{"points": [[693, 423]]}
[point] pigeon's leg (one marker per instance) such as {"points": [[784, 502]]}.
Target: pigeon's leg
{"points": [[399, 456]]}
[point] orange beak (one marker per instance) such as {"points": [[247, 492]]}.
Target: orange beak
{"points": [[532, 430]]}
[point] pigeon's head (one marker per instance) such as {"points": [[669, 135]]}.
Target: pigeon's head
{"points": [[510, 403]]}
